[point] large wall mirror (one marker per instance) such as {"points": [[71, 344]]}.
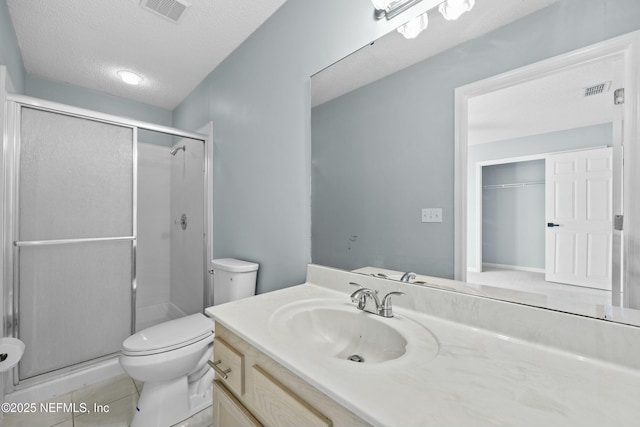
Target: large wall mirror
{"points": [[488, 149]]}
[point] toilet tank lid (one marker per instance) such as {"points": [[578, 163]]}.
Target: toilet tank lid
{"points": [[168, 335], [234, 265]]}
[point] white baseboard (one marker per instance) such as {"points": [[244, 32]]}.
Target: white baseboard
{"points": [[513, 267]]}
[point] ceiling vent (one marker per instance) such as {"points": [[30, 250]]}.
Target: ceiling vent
{"points": [[168, 9], [597, 89]]}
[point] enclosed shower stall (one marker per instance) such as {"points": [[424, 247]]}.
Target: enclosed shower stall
{"points": [[105, 232], [171, 221]]}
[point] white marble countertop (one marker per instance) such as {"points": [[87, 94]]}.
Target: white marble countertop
{"points": [[478, 378]]}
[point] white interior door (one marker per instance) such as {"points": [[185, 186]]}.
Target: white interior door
{"points": [[579, 218]]}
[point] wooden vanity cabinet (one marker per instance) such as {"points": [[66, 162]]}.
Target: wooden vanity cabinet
{"points": [[259, 391], [229, 411]]}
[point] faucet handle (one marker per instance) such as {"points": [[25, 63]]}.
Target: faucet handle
{"points": [[360, 296], [357, 295], [360, 286], [385, 307], [408, 276]]}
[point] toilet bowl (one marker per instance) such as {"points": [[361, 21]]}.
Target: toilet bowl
{"points": [[170, 359]]}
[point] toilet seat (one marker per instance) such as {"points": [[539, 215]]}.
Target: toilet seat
{"points": [[169, 336]]}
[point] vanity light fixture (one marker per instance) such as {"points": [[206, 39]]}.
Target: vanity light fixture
{"points": [[390, 8], [452, 9], [130, 77]]}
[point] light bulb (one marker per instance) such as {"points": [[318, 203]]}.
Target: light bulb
{"points": [[129, 77], [452, 9], [411, 29]]}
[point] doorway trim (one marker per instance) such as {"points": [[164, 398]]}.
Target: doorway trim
{"points": [[627, 47]]}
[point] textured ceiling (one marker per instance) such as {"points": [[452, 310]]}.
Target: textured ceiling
{"points": [[85, 42], [393, 52]]}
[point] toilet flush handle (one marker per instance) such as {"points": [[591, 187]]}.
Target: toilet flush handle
{"points": [[219, 371]]}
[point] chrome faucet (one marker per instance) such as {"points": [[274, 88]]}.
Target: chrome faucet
{"points": [[383, 309], [408, 276]]}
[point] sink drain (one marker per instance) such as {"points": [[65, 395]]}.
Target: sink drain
{"points": [[356, 358]]}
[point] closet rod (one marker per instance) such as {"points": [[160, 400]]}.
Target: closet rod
{"points": [[514, 185]]}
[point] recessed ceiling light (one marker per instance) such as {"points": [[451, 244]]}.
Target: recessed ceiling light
{"points": [[129, 77]]}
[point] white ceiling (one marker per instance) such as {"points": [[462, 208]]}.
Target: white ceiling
{"points": [[393, 52], [85, 42], [547, 104]]}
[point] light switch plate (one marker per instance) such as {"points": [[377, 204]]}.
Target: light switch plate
{"points": [[431, 214]]}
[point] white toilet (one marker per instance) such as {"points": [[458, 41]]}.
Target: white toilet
{"points": [[171, 358]]}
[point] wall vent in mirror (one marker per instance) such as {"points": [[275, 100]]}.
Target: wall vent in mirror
{"points": [[597, 89]]}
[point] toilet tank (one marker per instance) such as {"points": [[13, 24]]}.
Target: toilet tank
{"points": [[233, 279]]}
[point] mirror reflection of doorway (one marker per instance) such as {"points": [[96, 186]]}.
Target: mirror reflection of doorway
{"points": [[520, 251], [512, 133]]}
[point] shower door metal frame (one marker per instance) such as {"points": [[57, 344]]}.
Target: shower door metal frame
{"points": [[11, 247]]}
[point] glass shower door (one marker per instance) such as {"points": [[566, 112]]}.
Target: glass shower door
{"points": [[75, 239]]}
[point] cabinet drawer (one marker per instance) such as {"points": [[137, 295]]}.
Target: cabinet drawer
{"points": [[278, 406], [229, 411], [231, 361]]}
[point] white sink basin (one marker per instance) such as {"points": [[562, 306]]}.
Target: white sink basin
{"points": [[330, 328]]}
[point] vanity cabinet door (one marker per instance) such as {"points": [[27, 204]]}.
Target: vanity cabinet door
{"points": [[228, 411], [279, 406]]}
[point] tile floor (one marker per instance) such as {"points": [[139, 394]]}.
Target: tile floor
{"points": [[120, 395]]}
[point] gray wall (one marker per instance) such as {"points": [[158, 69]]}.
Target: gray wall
{"points": [[10, 55], [372, 171], [97, 101], [258, 99], [513, 217]]}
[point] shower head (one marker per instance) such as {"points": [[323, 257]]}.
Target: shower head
{"points": [[175, 150]]}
